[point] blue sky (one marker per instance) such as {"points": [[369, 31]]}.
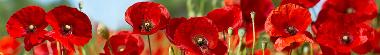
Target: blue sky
{"points": [[315, 10], [108, 12]]}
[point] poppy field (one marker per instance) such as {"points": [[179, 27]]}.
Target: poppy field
{"points": [[190, 27]]}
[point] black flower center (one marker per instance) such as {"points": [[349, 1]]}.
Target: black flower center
{"points": [[66, 29], [30, 29], [201, 42], [146, 26], [346, 39], [291, 30]]}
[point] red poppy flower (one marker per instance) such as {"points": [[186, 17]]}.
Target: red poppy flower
{"points": [[46, 49], [262, 8], [356, 37], [343, 39], [288, 20], [147, 17], [9, 46], [353, 11], [353, 33], [172, 26], [360, 35], [197, 36], [124, 43], [226, 17], [70, 26], [288, 23], [303, 3], [29, 22]]}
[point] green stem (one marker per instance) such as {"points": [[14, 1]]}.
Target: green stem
{"points": [[290, 52], [253, 29], [238, 51], [150, 48], [264, 45], [229, 43], [224, 35], [311, 49], [171, 47]]}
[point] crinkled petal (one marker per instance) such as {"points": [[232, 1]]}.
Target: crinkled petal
{"points": [[288, 15], [283, 42], [139, 12], [197, 26], [80, 32], [171, 28], [226, 17]]}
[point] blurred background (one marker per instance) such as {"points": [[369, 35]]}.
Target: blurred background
{"points": [[107, 13], [110, 13]]}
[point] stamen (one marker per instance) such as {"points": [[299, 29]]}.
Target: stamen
{"points": [[146, 26], [291, 30], [201, 43], [30, 28], [121, 48], [66, 29], [346, 39], [350, 10]]}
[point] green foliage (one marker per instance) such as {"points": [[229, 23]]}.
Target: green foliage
{"points": [[183, 8]]}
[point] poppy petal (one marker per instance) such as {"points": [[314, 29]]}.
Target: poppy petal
{"points": [[152, 14]]}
